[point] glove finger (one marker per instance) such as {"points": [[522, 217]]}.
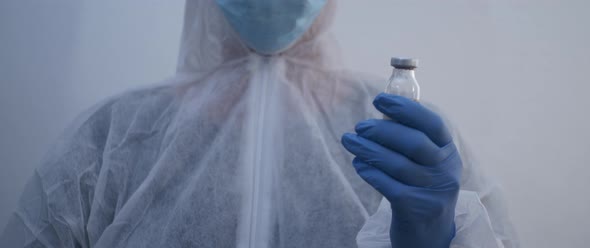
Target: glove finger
{"points": [[414, 115], [390, 162], [408, 141], [386, 185]]}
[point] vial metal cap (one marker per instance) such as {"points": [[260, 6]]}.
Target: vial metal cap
{"points": [[404, 63]]}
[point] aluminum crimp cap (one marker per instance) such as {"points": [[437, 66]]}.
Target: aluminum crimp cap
{"points": [[404, 63]]}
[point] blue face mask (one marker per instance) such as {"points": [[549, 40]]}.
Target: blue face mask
{"points": [[270, 26]]}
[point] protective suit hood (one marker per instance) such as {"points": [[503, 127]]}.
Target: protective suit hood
{"points": [[208, 40]]}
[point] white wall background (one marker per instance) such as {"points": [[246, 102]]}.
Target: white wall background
{"points": [[510, 73]]}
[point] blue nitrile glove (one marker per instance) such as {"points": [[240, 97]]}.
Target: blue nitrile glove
{"points": [[414, 163]]}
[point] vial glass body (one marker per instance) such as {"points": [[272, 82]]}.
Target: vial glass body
{"points": [[403, 83]]}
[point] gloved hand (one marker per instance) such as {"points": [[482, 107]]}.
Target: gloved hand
{"points": [[414, 163]]}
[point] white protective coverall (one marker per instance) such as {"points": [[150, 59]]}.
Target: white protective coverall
{"points": [[235, 150]]}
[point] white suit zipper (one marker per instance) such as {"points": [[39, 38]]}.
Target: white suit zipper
{"points": [[255, 231]]}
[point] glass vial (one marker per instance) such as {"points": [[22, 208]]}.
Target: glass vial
{"points": [[403, 79]]}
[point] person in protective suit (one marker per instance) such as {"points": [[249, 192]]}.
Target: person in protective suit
{"points": [[243, 147]]}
